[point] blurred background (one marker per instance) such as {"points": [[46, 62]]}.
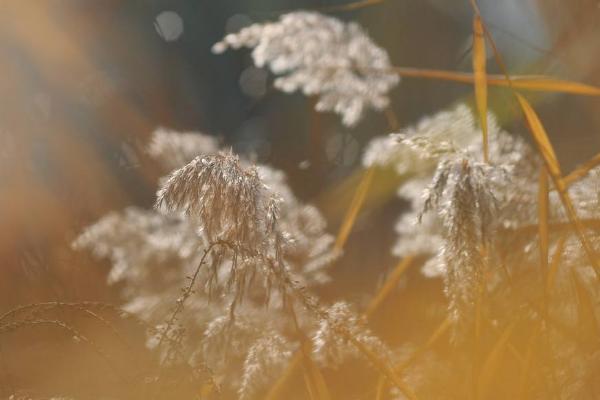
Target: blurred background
{"points": [[84, 83]]}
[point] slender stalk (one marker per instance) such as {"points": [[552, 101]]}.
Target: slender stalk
{"points": [[581, 171], [188, 291], [311, 305], [66, 328]]}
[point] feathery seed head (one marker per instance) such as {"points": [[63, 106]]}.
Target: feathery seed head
{"points": [[416, 150], [322, 56], [229, 202], [332, 348], [465, 203], [175, 149]]}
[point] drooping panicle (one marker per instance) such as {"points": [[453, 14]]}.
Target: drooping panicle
{"points": [[263, 362], [228, 201], [463, 198], [332, 348]]}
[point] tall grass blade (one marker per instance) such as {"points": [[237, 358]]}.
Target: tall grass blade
{"points": [[309, 386], [553, 267], [492, 362], [435, 336], [547, 84], [315, 383], [277, 390], [545, 148], [388, 372], [540, 83], [439, 332], [540, 137], [355, 5], [581, 171], [479, 73], [526, 367], [354, 209], [588, 323], [543, 216], [389, 285]]}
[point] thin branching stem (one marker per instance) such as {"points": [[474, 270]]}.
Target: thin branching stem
{"points": [[9, 327], [188, 290], [312, 305]]}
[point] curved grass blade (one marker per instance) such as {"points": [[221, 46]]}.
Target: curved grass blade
{"points": [[315, 383], [278, 388], [388, 372], [540, 136], [539, 83], [545, 149], [543, 217], [588, 323], [547, 84], [582, 170], [492, 362], [435, 336], [527, 364], [389, 285], [355, 206], [350, 6], [553, 267]]}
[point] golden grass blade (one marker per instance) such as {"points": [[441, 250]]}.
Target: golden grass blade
{"points": [[586, 310], [560, 327], [477, 323], [553, 268], [547, 84], [556, 227], [539, 83], [319, 382], [435, 336], [355, 5], [543, 217], [388, 372], [355, 206], [439, 332], [315, 383], [380, 393], [526, 366], [544, 244], [309, 386], [545, 149], [511, 348], [492, 362], [277, 390], [581, 171], [480, 80], [350, 6], [540, 136], [389, 285], [475, 7]]}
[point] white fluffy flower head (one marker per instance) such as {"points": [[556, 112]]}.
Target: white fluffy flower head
{"points": [[322, 56], [175, 149], [228, 201]]}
